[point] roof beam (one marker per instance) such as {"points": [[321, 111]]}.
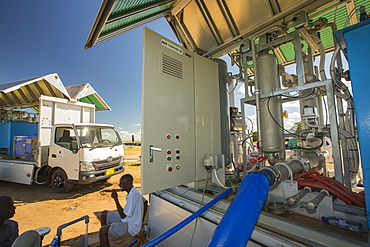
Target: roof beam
{"points": [[31, 93], [100, 20], [350, 6], [37, 86], [275, 7], [50, 88], [228, 17], [24, 97], [211, 24], [15, 98], [6, 98]]}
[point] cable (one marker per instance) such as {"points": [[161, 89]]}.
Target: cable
{"points": [[200, 205], [232, 91], [326, 112], [353, 11], [268, 108], [315, 180], [250, 121], [300, 96]]}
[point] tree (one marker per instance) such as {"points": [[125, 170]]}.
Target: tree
{"points": [[296, 128]]}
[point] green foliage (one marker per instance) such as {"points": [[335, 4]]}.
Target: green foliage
{"points": [[255, 136], [296, 128]]}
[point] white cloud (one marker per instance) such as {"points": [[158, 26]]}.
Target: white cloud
{"points": [[136, 125], [292, 104], [127, 136], [241, 91]]}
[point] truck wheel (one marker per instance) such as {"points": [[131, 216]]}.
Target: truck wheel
{"points": [[59, 181]]}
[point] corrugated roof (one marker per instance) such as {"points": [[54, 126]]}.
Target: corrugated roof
{"points": [[213, 28], [28, 91], [120, 16], [86, 93]]}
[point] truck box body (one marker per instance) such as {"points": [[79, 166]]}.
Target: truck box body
{"points": [[33, 149]]}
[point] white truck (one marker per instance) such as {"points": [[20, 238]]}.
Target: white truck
{"points": [[60, 145]]}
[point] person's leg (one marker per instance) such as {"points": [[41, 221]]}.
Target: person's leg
{"points": [[29, 238], [103, 236], [103, 218]]}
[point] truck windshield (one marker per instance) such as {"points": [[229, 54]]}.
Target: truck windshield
{"points": [[98, 136]]}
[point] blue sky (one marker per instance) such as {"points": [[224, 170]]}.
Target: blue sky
{"points": [[40, 37]]}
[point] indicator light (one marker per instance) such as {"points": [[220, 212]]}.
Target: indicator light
{"points": [[169, 169], [178, 157], [168, 158], [177, 136], [177, 151], [177, 167], [168, 151], [168, 136]]}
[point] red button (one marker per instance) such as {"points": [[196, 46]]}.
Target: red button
{"points": [[177, 151], [168, 136], [178, 157], [168, 151], [169, 169], [177, 137]]}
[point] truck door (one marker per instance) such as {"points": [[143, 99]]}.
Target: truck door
{"points": [[61, 154]]}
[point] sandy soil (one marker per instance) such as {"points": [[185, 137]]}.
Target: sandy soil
{"points": [[39, 206]]}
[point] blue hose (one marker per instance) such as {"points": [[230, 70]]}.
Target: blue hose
{"points": [[183, 223], [238, 223]]}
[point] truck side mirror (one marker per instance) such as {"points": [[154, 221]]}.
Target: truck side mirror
{"points": [[74, 146]]}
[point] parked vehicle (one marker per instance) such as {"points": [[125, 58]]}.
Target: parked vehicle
{"points": [[60, 144]]}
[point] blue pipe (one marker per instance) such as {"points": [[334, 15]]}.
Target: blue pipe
{"points": [[238, 223], [183, 223], [134, 242]]}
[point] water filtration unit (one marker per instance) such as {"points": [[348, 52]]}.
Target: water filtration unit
{"points": [[293, 187]]}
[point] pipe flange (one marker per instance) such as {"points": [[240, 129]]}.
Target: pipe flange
{"points": [[277, 175], [303, 160], [276, 207]]}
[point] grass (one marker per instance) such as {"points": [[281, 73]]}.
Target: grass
{"points": [[132, 151]]}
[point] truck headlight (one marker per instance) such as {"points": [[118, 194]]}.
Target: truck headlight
{"points": [[86, 166]]}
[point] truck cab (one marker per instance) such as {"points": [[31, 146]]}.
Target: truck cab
{"points": [[50, 135], [83, 153]]}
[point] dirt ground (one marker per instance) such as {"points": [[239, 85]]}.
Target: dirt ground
{"points": [[39, 206]]}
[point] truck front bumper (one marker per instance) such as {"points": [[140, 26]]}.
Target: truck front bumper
{"points": [[90, 177]]}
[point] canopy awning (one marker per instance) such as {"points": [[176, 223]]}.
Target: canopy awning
{"points": [[86, 93], [27, 92], [213, 28], [116, 17]]}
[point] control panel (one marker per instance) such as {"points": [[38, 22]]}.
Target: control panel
{"points": [[180, 115]]}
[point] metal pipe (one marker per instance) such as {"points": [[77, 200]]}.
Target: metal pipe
{"points": [[297, 197], [59, 230], [314, 203], [183, 223], [252, 194], [257, 90]]}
